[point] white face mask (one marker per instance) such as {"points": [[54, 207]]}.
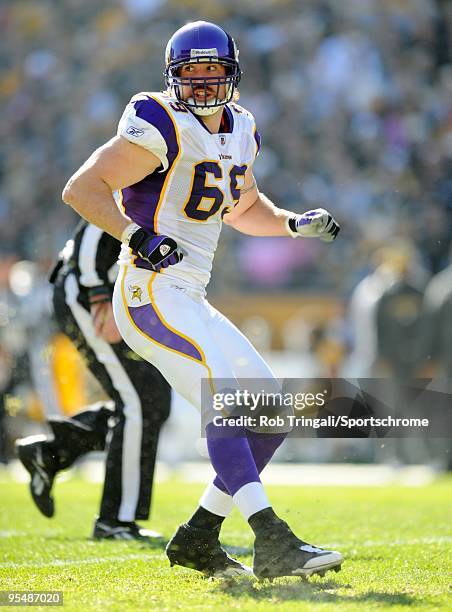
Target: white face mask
{"points": [[207, 110], [210, 108], [204, 111]]}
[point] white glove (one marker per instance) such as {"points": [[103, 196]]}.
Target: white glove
{"points": [[318, 223]]}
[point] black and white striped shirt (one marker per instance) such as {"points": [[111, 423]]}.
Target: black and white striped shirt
{"points": [[91, 255]]}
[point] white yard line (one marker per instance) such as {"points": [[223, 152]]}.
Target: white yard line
{"points": [[287, 474], [403, 542], [144, 557], [75, 562]]}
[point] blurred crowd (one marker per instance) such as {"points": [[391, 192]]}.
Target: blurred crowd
{"points": [[353, 100]]}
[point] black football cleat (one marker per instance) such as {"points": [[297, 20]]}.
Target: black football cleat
{"points": [[120, 530], [278, 552], [37, 460], [200, 549]]}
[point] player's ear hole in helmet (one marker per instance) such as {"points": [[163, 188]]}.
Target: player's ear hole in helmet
{"points": [[202, 42]]}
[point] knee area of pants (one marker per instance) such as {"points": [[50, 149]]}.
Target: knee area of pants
{"points": [[132, 420]]}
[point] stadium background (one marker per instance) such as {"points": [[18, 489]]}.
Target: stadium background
{"points": [[353, 100]]}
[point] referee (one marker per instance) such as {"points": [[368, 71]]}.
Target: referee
{"points": [[128, 425]]}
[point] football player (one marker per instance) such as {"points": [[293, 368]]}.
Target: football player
{"points": [[180, 165]]}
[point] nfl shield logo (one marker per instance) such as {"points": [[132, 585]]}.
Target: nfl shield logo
{"points": [[223, 140]]}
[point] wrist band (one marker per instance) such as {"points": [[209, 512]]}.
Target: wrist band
{"points": [[291, 226], [99, 294], [128, 232], [99, 299]]}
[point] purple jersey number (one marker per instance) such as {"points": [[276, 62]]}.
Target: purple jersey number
{"points": [[206, 199]]}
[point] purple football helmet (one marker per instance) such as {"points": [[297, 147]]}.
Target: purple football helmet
{"points": [[201, 41]]}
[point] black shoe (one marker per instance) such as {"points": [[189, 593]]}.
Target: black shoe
{"points": [[200, 549], [120, 530], [37, 459], [278, 552]]}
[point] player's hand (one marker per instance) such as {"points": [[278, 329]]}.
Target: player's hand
{"points": [[104, 322], [318, 223], [159, 250]]}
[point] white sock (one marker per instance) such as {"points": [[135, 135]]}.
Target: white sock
{"points": [[216, 501], [251, 498]]}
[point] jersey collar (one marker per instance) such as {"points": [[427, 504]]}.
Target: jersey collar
{"points": [[226, 125]]}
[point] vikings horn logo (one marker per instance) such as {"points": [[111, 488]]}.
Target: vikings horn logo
{"points": [[136, 292]]}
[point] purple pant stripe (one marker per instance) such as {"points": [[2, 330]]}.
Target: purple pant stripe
{"points": [[148, 321]]}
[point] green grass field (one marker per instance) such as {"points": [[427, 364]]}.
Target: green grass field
{"points": [[396, 542]]}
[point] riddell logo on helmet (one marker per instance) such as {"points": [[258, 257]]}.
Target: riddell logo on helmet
{"points": [[203, 52]]}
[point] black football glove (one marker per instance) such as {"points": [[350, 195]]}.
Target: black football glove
{"points": [[159, 250]]}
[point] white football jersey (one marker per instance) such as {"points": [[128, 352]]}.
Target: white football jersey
{"points": [[200, 178]]}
